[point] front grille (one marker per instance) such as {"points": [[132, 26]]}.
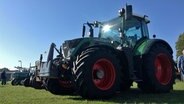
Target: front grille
{"points": [[65, 48], [69, 45]]}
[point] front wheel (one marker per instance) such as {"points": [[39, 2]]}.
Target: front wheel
{"points": [[96, 72], [26, 82], [36, 84], [14, 82], [158, 70]]}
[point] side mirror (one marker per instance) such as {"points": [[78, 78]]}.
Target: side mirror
{"points": [[96, 24], [154, 36], [121, 12], [91, 33]]}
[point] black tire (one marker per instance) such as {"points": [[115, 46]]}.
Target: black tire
{"points": [[27, 82], [31, 81], [14, 82], [96, 72], [55, 86], [36, 84], [158, 70], [21, 82]]}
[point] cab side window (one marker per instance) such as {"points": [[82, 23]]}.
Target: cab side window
{"points": [[133, 31]]}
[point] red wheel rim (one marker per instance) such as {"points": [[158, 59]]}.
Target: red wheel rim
{"points": [[163, 69], [103, 74]]}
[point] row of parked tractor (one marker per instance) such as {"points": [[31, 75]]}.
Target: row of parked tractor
{"points": [[99, 66], [28, 77], [32, 78]]}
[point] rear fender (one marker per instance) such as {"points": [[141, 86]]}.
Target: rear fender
{"points": [[145, 47]]}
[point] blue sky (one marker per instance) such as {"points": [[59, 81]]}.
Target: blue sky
{"points": [[27, 27]]}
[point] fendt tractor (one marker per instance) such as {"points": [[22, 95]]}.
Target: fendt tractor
{"points": [[122, 53]]}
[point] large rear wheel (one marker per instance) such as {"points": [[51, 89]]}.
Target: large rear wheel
{"points": [[158, 70], [96, 72]]}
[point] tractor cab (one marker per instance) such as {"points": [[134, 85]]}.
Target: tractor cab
{"points": [[125, 32], [126, 29]]}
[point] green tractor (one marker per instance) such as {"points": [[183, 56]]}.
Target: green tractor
{"points": [[123, 53], [19, 77]]}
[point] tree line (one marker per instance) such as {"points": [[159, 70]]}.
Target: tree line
{"points": [[6, 69], [179, 45]]}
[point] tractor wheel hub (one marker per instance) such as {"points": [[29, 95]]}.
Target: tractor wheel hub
{"points": [[100, 74]]}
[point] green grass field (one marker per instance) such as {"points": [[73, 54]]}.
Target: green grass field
{"points": [[26, 95]]}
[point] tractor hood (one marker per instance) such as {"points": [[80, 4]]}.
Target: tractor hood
{"points": [[71, 48], [69, 45]]}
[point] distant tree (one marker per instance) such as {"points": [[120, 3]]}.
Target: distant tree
{"points": [[179, 45], [6, 69]]}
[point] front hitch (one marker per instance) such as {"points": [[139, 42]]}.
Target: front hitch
{"points": [[51, 52], [91, 31], [47, 69]]}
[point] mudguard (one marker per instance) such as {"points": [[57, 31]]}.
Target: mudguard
{"points": [[125, 55], [145, 46]]}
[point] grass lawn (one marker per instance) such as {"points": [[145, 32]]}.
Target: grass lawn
{"points": [[26, 95]]}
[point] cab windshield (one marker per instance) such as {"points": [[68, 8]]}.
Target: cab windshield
{"points": [[109, 29], [131, 30]]}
